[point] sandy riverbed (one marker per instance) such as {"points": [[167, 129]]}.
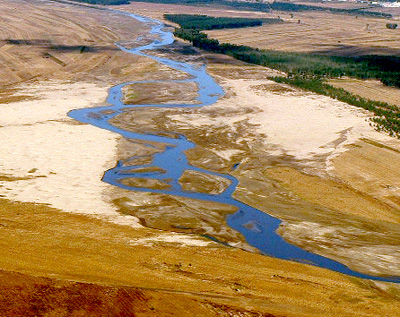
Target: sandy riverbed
{"points": [[53, 159], [298, 124], [263, 127]]}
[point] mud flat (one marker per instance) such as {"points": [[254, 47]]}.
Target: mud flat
{"points": [[160, 93]]}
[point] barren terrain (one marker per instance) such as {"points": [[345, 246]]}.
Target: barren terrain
{"points": [[70, 240]]}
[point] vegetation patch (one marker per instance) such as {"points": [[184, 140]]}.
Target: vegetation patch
{"points": [[391, 26], [204, 22]]}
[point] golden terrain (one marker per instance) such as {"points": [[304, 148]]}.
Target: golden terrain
{"points": [[64, 264], [38, 241], [319, 33], [371, 89]]}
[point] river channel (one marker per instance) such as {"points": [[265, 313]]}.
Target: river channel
{"points": [[258, 228]]}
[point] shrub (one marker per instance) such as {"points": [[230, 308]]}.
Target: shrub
{"points": [[391, 26]]}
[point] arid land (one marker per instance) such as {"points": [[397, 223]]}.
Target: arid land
{"points": [[69, 240]]}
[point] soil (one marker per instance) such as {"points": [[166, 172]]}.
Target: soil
{"points": [[64, 258]]}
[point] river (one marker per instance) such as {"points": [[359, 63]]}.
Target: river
{"points": [[258, 228]]}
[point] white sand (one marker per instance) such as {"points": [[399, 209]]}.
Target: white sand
{"points": [[65, 159], [303, 125], [227, 154]]}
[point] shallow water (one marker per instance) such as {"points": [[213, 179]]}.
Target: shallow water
{"points": [[257, 227]]}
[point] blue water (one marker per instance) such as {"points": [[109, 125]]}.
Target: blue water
{"points": [[257, 227]]}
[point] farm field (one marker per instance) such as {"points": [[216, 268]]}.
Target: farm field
{"points": [[387, 9], [371, 89], [334, 4], [51, 45], [319, 33], [70, 241]]}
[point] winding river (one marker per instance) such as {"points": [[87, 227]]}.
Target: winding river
{"points": [[257, 227]]}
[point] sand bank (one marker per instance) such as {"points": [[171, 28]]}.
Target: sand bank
{"points": [[53, 159], [302, 125]]}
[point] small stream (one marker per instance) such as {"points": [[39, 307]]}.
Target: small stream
{"points": [[257, 227]]}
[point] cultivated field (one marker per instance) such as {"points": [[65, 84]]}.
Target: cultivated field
{"points": [[56, 41], [321, 33], [334, 4], [371, 89]]}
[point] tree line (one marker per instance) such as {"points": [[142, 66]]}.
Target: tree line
{"points": [[204, 22], [384, 68]]}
